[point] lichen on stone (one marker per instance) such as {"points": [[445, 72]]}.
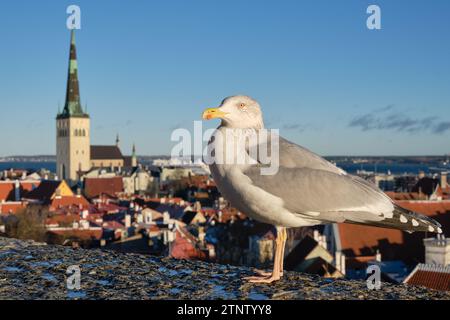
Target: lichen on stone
{"points": [[30, 270]]}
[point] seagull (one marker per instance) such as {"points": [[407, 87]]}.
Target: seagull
{"points": [[305, 190]]}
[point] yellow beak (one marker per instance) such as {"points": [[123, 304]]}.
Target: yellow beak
{"points": [[212, 113]]}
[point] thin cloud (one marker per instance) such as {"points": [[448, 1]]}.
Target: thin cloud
{"points": [[441, 127], [295, 126], [387, 119], [386, 108]]}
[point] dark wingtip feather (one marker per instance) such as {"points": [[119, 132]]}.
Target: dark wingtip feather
{"points": [[411, 221]]}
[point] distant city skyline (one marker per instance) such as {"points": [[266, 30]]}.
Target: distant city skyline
{"points": [[146, 68]]}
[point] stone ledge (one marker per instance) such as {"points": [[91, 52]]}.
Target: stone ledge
{"points": [[30, 270]]}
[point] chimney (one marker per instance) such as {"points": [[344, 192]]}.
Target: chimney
{"points": [[148, 217], [17, 190], [437, 250], [211, 251], [166, 217], [316, 236], [343, 266], [339, 261], [443, 180], [127, 221], [378, 256]]}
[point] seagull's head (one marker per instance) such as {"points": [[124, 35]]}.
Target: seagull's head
{"points": [[237, 112]]}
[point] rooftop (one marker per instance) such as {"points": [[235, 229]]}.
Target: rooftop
{"points": [[431, 276], [106, 153]]}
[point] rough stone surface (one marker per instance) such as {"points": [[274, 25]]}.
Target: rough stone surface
{"points": [[30, 270]]}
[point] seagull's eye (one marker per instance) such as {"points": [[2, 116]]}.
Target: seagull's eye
{"points": [[242, 106]]}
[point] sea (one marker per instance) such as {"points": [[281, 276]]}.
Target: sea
{"points": [[394, 168], [32, 166]]}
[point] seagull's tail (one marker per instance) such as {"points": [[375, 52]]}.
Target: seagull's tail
{"points": [[410, 221]]}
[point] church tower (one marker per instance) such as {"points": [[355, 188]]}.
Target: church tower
{"points": [[72, 127]]}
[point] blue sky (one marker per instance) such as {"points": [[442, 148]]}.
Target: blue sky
{"points": [[147, 67]]}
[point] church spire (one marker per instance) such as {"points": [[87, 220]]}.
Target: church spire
{"points": [[134, 162], [117, 140], [72, 106]]}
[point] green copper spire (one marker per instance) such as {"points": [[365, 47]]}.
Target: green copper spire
{"points": [[72, 106]]}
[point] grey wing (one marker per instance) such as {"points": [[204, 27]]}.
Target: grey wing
{"points": [[332, 197], [292, 155]]}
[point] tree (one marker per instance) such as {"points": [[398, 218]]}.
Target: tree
{"points": [[28, 223]]}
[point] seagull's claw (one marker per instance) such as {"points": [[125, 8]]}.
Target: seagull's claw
{"points": [[264, 273], [262, 279]]}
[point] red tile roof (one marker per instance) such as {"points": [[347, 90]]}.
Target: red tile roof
{"points": [[198, 181], [430, 276], [184, 247], [108, 208], [93, 187], [11, 207], [63, 219], [429, 208], [66, 201], [113, 225], [6, 191], [27, 186], [358, 262], [363, 240], [406, 195], [106, 153]]}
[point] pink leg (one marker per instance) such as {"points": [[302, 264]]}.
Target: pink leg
{"points": [[276, 274], [281, 262]]}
